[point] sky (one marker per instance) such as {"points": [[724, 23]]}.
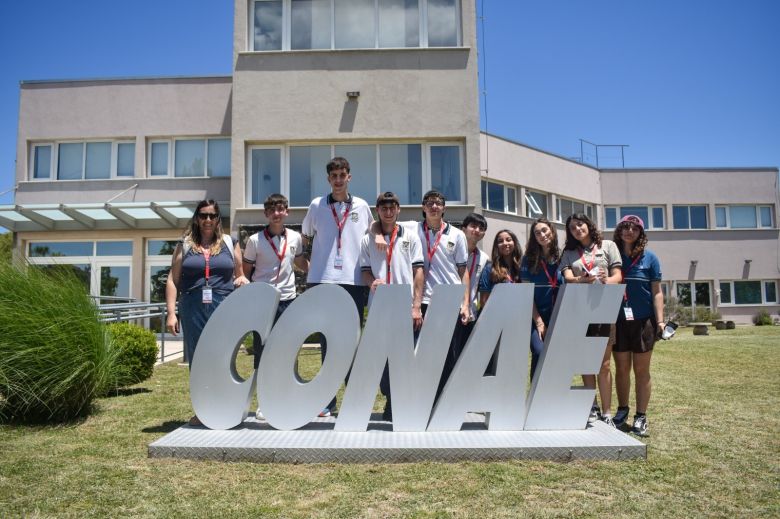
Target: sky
{"points": [[682, 83]]}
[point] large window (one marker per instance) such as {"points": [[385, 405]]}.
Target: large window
{"points": [[189, 158], [689, 216], [743, 216], [535, 204], [568, 207], [652, 215], [407, 169], [499, 197], [693, 294], [758, 292], [82, 160], [354, 24]]}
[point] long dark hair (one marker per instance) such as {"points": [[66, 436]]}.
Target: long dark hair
{"points": [[639, 245], [573, 243], [192, 233], [534, 251], [500, 270]]}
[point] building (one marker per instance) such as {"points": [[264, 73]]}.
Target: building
{"points": [[108, 171]]}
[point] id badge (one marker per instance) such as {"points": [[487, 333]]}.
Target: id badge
{"points": [[207, 296], [628, 313], [595, 273], [338, 263]]}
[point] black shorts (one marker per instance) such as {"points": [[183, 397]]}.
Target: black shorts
{"points": [[602, 330], [637, 336]]}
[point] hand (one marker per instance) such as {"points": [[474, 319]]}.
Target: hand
{"points": [[602, 276], [587, 278], [417, 318], [541, 328], [661, 327], [240, 281], [465, 313], [379, 241], [172, 323], [376, 283]]}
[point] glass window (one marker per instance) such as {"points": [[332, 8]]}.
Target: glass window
{"points": [[445, 171], [610, 215], [680, 217], [268, 25], [98, 160], [310, 24], [69, 165], [362, 162], [42, 162], [743, 216], [689, 217], [747, 292], [511, 200], [159, 162], [83, 272], [725, 292], [161, 247], [720, 217], [702, 294], [442, 23], [307, 174], [770, 292], [115, 281], [63, 248], [125, 161], [640, 211], [355, 25], [484, 193], [114, 248], [495, 194], [766, 216], [219, 158], [400, 170], [658, 218], [266, 173], [190, 161], [536, 204], [684, 294], [698, 217], [399, 23]]}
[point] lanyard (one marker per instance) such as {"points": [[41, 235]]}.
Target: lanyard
{"points": [[553, 280], [623, 273], [473, 264], [432, 251], [340, 224], [276, 251], [593, 258], [389, 253], [207, 256]]}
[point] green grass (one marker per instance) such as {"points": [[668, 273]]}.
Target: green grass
{"points": [[714, 451]]}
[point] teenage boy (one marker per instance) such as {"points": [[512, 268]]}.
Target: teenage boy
{"points": [[401, 263], [474, 227], [334, 226]]}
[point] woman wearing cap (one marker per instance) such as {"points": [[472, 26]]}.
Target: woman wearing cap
{"points": [[640, 320], [587, 258]]}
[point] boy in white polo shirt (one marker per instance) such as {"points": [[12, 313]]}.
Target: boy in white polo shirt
{"points": [[334, 225], [401, 263]]}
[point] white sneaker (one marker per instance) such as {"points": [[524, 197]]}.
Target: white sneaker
{"points": [[259, 415]]}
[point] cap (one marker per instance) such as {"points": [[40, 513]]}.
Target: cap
{"points": [[632, 218]]}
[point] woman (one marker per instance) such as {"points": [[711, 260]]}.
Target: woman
{"points": [[640, 320], [540, 267], [587, 258], [204, 270]]}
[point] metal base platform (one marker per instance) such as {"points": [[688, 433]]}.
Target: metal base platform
{"points": [[256, 441]]}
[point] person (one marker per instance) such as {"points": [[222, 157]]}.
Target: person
{"points": [[334, 225], [504, 267], [474, 227], [400, 263], [269, 257], [540, 267], [587, 258], [640, 321], [204, 269]]}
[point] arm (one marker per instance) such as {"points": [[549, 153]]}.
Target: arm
{"points": [[465, 307], [375, 230], [569, 277], [171, 292], [419, 282], [658, 305], [483, 297], [539, 323], [302, 263], [615, 276], [239, 279], [370, 281]]}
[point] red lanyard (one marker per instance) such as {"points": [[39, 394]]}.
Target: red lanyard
{"points": [[207, 256], [389, 253], [276, 251], [432, 251], [553, 280], [340, 224], [623, 273], [473, 264], [593, 258]]}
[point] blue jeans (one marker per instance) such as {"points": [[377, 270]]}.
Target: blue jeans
{"points": [[259, 345], [193, 315]]}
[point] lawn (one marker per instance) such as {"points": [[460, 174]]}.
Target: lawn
{"points": [[714, 450]]}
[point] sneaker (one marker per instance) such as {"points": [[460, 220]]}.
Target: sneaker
{"points": [[259, 415], [640, 426], [607, 419], [595, 414], [324, 413], [621, 417]]}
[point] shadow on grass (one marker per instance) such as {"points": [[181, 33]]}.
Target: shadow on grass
{"points": [[127, 391], [164, 427]]}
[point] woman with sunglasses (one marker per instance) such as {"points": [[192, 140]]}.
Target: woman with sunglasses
{"points": [[204, 270], [640, 321], [540, 267], [587, 258]]}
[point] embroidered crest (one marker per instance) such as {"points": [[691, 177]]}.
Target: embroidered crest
{"points": [[292, 250], [450, 246], [354, 216], [405, 246]]}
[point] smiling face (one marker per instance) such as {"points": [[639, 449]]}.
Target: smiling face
{"points": [[208, 219], [388, 214], [276, 214], [339, 181], [629, 233], [543, 235], [505, 244], [580, 231], [474, 232], [434, 208]]}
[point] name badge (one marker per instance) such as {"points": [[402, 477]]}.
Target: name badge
{"points": [[628, 313], [338, 263], [595, 273], [207, 298]]}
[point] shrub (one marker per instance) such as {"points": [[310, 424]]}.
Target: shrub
{"points": [[136, 353], [55, 357], [762, 318]]}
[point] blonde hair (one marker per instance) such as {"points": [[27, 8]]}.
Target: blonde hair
{"points": [[192, 237]]}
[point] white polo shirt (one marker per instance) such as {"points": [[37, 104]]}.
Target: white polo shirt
{"points": [[407, 254], [449, 255], [329, 264], [475, 264], [261, 254]]}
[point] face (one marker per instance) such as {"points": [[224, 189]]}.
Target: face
{"points": [[579, 230], [339, 180], [388, 213], [629, 233], [208, 219], [505, 243], [475, 232], [434, 207], [276, 214], [543, 234]]}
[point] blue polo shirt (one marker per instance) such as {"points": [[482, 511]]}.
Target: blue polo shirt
{"points": [[544, 292], [486, 284], [638, 279]]}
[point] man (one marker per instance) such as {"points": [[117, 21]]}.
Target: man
{"points": [[474, 227], [334, 226], [269, 257], [401, 263]]}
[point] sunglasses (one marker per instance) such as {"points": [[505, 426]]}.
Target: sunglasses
{"points": [[208, 216], [434, 203]]}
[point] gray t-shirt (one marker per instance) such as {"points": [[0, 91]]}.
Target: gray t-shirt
{"points": [[607, 257]]}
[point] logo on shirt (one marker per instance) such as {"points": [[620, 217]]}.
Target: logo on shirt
{"points": [[292, 249], [355, 216], [405, 246], [450, 246]]}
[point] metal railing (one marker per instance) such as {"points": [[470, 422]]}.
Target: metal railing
{"points": [[134, 311]]}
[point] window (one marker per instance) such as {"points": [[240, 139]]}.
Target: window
{"points": [[568, 207], [359, 24], [125, 162], [693, 294], [83, 160], [653, 216], [499, 197], [42, 161], [753, 292], [535, 204], [689, 216], [190, 158], [407, 169], [743, 216]]}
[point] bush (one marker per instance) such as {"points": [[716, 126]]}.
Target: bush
{"points": [[55, 357], [136, 353], [762, 318], [684, 315]]}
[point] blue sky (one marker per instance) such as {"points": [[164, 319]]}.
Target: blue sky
{"points": [[683, 83]]}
